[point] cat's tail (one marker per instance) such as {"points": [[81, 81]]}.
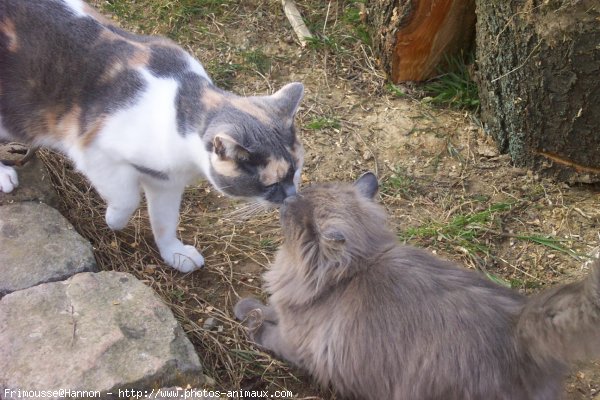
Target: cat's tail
{"points": [[563, 323]]}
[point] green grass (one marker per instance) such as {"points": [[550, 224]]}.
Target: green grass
{"points": [[173, 18], [399, 183], [269, 245], [178, 294], [463, 226], [322, 123], [395, 90], [464, 231], [337, 35], [454, 88], [351, 17], [257, 60], [223, 74], [323, 42], [498, 280], [468, 231], [552, 243]]}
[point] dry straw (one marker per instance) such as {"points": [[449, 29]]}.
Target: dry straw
{"points": [[236, 251]]}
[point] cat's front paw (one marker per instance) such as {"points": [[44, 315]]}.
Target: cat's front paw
{"points": [[182, 257], [251, 313], [245, 306], [117, 219], [8, 178]]}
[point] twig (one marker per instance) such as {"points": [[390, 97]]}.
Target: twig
{"points": [[520, 66], [295, 18], [19, 163], [563, 161]]}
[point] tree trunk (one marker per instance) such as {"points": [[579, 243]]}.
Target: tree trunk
{"points": [[538, 76], [413, 38]]}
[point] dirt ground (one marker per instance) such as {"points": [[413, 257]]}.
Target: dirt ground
{"points": [[443, 182]]}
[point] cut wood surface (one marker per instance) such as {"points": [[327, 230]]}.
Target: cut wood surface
{"points": [[413, 38]]}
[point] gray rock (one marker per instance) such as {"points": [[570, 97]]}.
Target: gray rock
{"points": [[105, 332], [34, 181], [38, 245]]}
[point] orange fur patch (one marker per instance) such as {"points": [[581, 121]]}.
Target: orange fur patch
{"points": [[69, 126], [91, 132], [225, 167], [244, 104], [212, 99], [297, 152], [113, 71], [140, 58], [274, 171]]}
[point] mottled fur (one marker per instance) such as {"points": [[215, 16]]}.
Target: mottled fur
{"points": [[377, 320], [138, 113]]}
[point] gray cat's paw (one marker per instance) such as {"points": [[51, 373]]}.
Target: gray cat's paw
{"points": [[245, 306]]}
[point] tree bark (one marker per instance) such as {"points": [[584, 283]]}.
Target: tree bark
{"points": [[538, 75], [413, 38]]}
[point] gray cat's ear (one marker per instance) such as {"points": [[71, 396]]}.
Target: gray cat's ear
{"points": [[367, 185], [334, 237], [227, 148], [288, 98]]}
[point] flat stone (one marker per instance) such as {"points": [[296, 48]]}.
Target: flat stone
{"points": [[38, 245], [104, 332], [34, 180]]}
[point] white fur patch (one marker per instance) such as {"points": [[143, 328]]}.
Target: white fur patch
{"points": [[77, 6], [196, 67], [8, 179], [152, 120]]}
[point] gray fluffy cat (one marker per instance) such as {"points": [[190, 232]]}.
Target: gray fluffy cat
{"points": [[377, 320], [137, 113]]}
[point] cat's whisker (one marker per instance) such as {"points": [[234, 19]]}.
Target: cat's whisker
{"points": [[247, 211]]}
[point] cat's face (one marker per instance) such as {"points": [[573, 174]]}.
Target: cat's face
{"points": [[254, 149], [333, 220]]}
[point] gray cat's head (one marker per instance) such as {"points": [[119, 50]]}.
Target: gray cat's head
{"points": [[334, 224], [254, 149]]}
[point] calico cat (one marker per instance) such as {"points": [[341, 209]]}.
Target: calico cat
{"points": [[138, 112], [378, 320]]}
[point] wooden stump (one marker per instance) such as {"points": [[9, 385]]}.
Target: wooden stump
{"points": [[413, 38], [539, 83]]}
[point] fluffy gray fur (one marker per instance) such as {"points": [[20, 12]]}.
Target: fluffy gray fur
{"points": [[377, 320]]}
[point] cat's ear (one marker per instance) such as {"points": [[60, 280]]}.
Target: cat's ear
{"points": [[333, 237], [367, 185], [228, 148], [288, 98]]}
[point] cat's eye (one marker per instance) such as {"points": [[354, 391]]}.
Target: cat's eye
{"points": [[248, 168]]}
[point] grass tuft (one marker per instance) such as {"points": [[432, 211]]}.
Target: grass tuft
{"points": [[455, 88], [322, 123], [398, 184]]}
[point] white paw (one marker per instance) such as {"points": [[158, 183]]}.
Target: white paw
{"points": [[8, 178], [182, 257], [117, 219]]}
